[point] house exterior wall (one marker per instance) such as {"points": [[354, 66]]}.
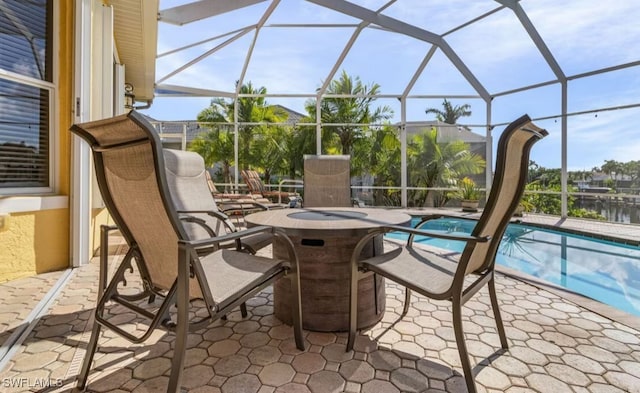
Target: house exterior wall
{"points": [[37, 240]]}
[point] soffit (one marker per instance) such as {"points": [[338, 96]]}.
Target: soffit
{"points": [[136, 35]]}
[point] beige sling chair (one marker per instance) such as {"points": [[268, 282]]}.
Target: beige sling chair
{"points": [[327, 181], [130, 171], [443, 278], [202, 217]]}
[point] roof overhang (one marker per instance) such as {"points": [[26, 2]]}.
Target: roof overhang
{"points": [[136, 37]]}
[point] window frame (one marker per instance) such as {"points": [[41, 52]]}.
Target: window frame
{"points": [[52, 129]]}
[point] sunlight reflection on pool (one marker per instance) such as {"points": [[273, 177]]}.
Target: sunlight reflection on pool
{"points": [[602, 270]]}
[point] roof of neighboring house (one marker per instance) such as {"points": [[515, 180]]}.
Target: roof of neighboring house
{"points": [[600, 176], [176, 127], [294, 117], [446, 132]]}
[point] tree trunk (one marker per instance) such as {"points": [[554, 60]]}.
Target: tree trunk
{"points": [[226, 174]]}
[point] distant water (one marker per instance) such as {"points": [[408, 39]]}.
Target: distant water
{"points": [[623, 212]]}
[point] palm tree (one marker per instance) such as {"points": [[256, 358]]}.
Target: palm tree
{"points": [[254, 110], [612, 168], [384, 164], [270, 150], [435, 164], [250, 110], [348, 111], [215, 146], [301, 141], [450, 114]]}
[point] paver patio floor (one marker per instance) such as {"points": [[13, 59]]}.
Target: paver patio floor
{"points": [[556, 345]]}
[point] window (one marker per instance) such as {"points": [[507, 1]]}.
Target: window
{"points": [[26, 96]]}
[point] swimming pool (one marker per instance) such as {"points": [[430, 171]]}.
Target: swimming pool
{"points": [[602, 270]]}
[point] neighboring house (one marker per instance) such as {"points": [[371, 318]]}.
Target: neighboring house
{"points": [[604, 180], [62, 62], [176, 134], [294, 117]]}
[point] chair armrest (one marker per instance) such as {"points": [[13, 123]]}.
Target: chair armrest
{"points": [[215, 241], [287, 181], [198, 221], [231, 206], [447, 236], [290, 181], [213, 213]]}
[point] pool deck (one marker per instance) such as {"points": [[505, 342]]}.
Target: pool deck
{"points": [[556, 343], [617, 232], [625, 233]]}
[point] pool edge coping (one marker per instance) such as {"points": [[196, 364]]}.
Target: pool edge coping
{"points": [[584, 301], [593, 305]]}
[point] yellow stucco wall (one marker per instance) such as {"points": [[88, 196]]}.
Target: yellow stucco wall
{"points": [[99, 217], [37, 242]]}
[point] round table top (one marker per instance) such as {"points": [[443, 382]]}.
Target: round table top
{"points": [[328, 221]]}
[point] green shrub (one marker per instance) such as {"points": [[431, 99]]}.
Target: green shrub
{"points": [[584, 213]]}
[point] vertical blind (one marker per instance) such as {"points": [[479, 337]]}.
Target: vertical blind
{"points": [[25, 50]]}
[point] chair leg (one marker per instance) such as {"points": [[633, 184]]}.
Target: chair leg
{"points": [[296, 310], [353, 306], [243, 312], [375, 294], [496, 313], [462, 345], [182, 327], [407, 301], [88, 357]]}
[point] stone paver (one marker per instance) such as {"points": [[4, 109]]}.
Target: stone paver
{"points": [[554, 345]]}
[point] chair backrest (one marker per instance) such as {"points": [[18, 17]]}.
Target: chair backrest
{"points": [[327, 181], [512, 163], [129, 162], [253, 181], [187, 181]]}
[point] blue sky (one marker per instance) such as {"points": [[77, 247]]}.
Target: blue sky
{"points": [[582, 36]]}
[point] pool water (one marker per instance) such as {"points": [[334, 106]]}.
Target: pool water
{"points": [[602, 270]]}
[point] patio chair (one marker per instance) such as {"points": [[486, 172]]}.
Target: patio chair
{"points": [[234, 195], [130, 171], [202, 217], [223, 196], [327, 181], [257, 187], [450, 278]]}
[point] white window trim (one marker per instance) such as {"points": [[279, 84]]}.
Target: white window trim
{"points": [[54, 139], [22, 204]]}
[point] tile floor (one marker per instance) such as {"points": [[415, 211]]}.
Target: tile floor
{"points": [[556, 345]]}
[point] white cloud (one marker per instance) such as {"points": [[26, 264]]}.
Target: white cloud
{"points": [[582, 34]]}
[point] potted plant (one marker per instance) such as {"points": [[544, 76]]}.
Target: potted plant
{"points": [[469, 195], [523, 206]]}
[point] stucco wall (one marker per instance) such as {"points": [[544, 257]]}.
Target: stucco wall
{"points": [[38, 241], [35, 243], [99, 217]]}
